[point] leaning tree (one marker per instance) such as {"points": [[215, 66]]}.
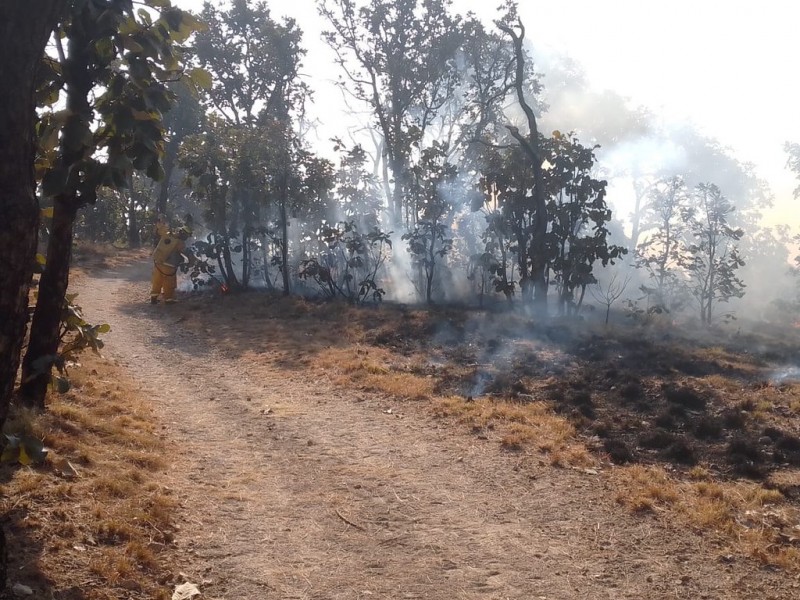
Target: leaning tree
{"points": [[111, 68]]}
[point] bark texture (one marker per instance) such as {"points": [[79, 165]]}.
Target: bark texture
{"points": [[25, 26], [46, 326]]}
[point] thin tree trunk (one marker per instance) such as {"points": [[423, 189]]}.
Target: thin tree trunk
{"points": [[530, 144], [134, 240], [636, 217], [45, 330], [164, 186], [285, 236]]}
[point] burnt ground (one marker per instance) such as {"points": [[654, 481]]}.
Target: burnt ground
{"points": [[724, 399], [294, 483]]}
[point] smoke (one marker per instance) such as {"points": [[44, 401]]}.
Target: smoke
{"points": [[639, 147], [790, 374], [635, 147]]}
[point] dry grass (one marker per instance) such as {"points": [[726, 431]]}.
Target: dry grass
{"points": [[557, 392], [94, 514], [750, 519], [519, 427], [753, 520]]}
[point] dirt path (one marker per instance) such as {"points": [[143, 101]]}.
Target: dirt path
{"points": [[291, 491]]}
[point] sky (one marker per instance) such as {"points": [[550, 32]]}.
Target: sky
{"points": [[727, 67]]}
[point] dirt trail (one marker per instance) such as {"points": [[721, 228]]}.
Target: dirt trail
{"points": [[290, 491]]}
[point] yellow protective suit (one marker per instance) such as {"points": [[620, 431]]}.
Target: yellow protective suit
{"points": [[166, 259]]}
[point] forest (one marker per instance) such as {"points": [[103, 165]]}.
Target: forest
{"points": [[465, 182]]}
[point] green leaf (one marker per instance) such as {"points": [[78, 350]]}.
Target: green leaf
{"points": [[47, 213], [201, 78], [23, 457], [104, 48], [41, 259], [131, 44], [145, 17], [104, 328], [155, 171], [128, 26]]}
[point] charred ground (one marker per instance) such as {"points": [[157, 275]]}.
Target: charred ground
{"points": [[712, 406], [647, 395]]}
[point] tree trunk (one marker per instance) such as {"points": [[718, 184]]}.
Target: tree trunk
{"points": [[22, 42], [530, 144], [285, 236], [163, 188], [45, 330], [397, 195], [134, 239], [636, 216]]}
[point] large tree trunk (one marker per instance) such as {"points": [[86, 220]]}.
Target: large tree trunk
{"points": [[22, 42], [24, 29]]}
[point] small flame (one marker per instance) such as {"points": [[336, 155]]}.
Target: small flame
{"points": [[223, 288]]}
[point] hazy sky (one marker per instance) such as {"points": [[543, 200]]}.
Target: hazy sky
{"points": [[725, 66]]}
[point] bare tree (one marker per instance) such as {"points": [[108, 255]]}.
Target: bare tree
{"points": [[398, 57], [611, 292]]}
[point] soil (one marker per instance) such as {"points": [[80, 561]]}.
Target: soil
{"points": [[294, 489]]}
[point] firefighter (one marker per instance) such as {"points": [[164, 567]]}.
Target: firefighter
{"points": [[167, 257]]}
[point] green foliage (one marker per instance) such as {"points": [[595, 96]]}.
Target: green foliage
{"points": [[493, 268], [113, 65], [248, 167], [431, 184], [349, 262], [204, 254], [712, 257], [577, 238], [76, 335], [254, 61], [576, 232], [663, 250], [399, 58]]}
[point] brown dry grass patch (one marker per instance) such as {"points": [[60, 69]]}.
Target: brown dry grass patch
{"points": [[94, 515], [690, 413], [745, 517], [518, 427]]}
